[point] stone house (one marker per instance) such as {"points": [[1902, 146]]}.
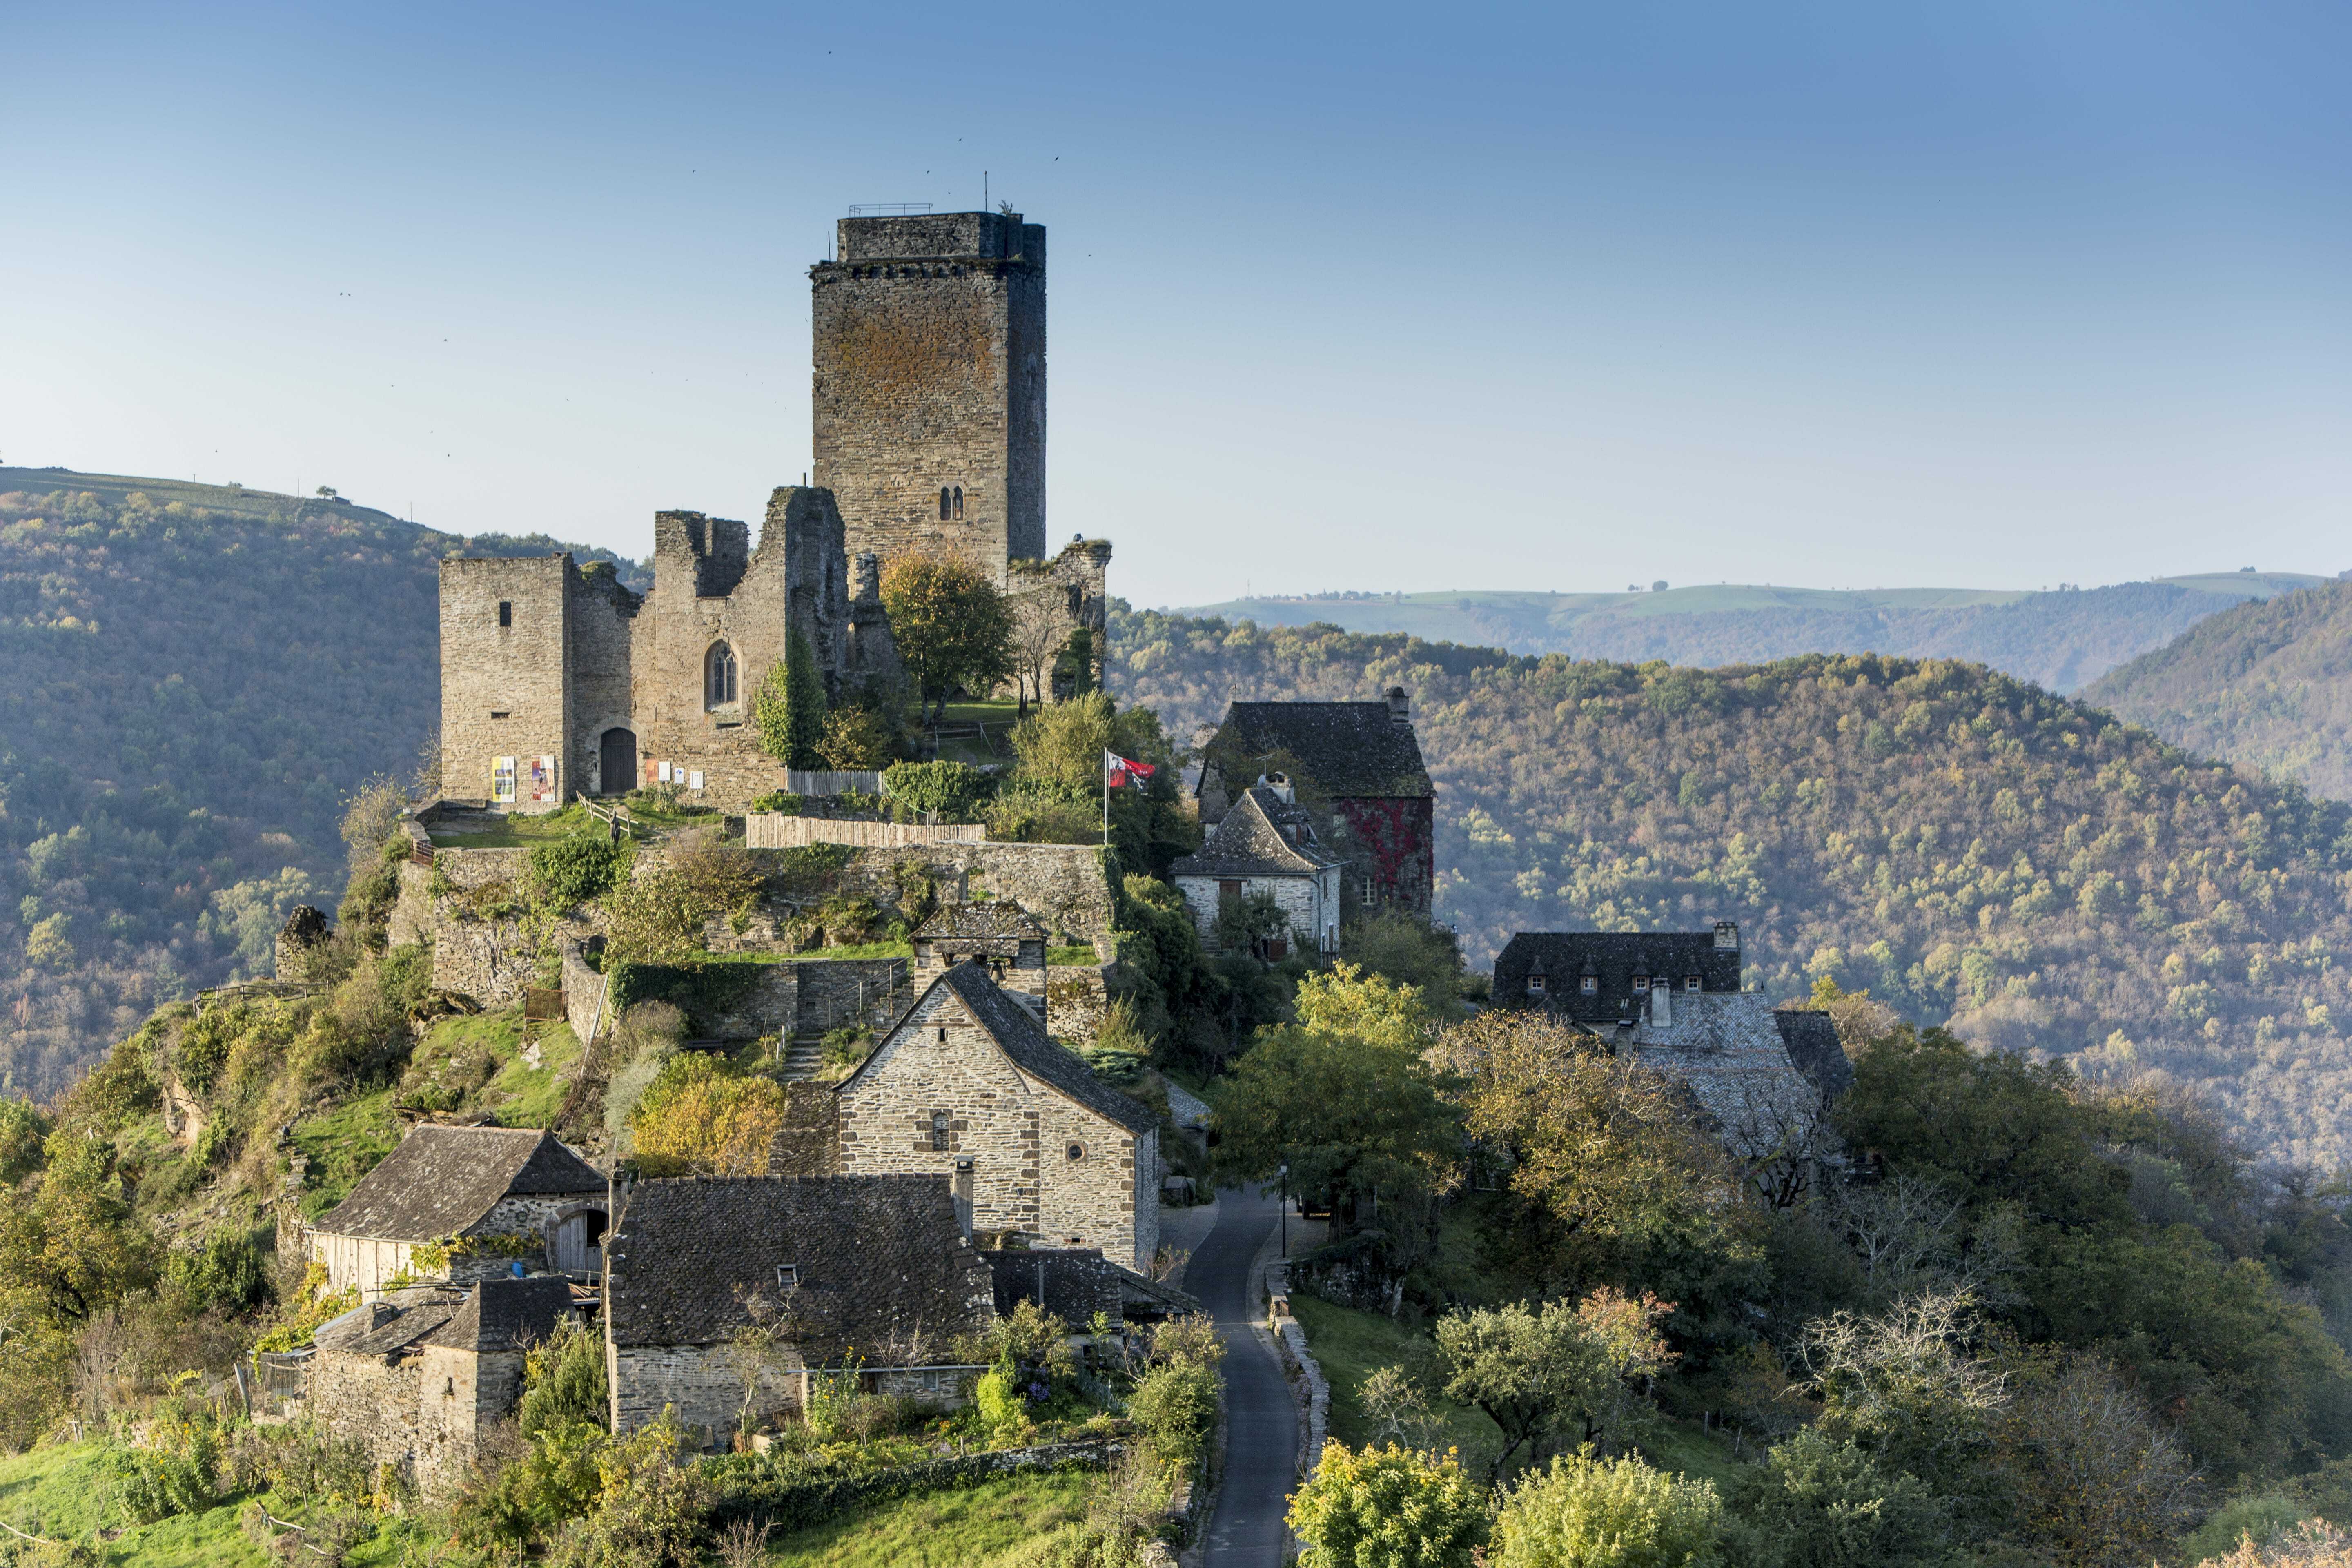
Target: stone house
{"points": [[419, 1376], [1075, 1283], [968, 1086], [1359, 761], [997, 933], [1266, 845], [870, 1274], [503, 1195], [1601, 976]]}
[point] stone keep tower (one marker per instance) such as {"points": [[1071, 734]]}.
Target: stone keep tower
{"points": [[930, 385]]}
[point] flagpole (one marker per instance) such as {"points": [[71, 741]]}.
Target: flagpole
{"points": [[1106, 800]]}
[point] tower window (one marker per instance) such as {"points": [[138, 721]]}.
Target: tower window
{"points": [[959, 503], [506, 612], [939, 1138], [947, 503], [719, 675]]}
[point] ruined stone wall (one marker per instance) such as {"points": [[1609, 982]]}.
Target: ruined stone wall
{"points": [[708, 589], [929, 347], [412, 917], [503, 687], [360, 1399], [1064, 886], [1076, 999], [584, 991], [460, 1393], [1011, 1127]]}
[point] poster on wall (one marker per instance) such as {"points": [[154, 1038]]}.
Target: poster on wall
{"points": [[542, 781], [502, 781], [694, 781], [665, 773]]}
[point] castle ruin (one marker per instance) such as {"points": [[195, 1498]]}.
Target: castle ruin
{"points": [[929, 435]]}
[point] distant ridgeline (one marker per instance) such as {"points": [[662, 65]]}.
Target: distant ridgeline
{"points": [[2060, 640], [192, 678], [1963, 846]]}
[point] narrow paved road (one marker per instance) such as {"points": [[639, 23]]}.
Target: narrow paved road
{"points": [[1261, 1434]]}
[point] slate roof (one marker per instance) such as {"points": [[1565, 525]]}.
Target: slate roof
{"points": [[1726, 1049], [1352, 750], [507, 1314], [880, 1260], [1079, 1283], [442, 1180], [1260, 835], [1812, 1041], [1614, 958], [1021, 1036], [990, 917]]}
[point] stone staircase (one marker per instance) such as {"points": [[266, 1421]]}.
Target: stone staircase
{"points": [[803, 1055]]}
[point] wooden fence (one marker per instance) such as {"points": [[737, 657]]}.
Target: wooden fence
{"points": [[808, 781], [773, 830]]}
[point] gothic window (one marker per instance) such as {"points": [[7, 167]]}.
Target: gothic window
{"points": [[719, 675], [947, 501], [959, 503]]}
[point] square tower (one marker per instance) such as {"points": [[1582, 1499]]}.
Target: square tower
{"points": [[928, 396]]}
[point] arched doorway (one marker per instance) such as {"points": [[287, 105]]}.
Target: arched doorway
{"points": [[617, 762]]}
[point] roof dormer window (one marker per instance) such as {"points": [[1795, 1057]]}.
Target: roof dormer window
{"points": [[1590, 985], [788, 1276], [1640, 983], [1690, 983], [1535, 983]]}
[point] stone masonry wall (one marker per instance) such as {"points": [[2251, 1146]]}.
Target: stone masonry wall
{"points": [[503, 689], [1063, 885], [1015, 1130], [708, 589], [460, 1394], [696, 1381], [603, 668], [928, 338], [361, 1400], [1076, 998]]}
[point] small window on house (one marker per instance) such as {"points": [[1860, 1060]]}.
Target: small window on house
{"points": [[506, 612], [719, 675], [1640, 983], [1075, 1151], [1229, 892], [498, 712], [1590, 985], [947, 502], [959, 503], [939, 1135], [944, 1034], [1690, 982], [1535, 982], [788, 1276]]}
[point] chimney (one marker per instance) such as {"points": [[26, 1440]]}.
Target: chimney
{"points": [[1661, 1005], [1726, 936], [1399, 707], [1280, 784]]}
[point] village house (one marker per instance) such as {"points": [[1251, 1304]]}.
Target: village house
{"points": [[418, 1376], [968, 1086], [1601, 976], [1265, 846], [1361, 762], [461, 1204], [871, 1275], [997, 933]]}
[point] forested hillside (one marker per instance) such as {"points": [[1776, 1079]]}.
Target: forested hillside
{"points": [[192, 679], [2060, 640], [1964, 845], [2267, 683]]}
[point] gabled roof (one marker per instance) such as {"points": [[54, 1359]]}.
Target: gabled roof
{"points": [[1726, 1050], [880, 1260], [1813, 1040], [442, 1180], [1078, 1283], [1261, 835], [503, 1314], [1352, 750], [1018, 1032], [1614, 959], [990, 918]]}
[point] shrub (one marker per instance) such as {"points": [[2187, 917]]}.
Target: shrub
{"points": [[702, 1117], [1608, 1513], [571, 870], [564, 1381], [1819, 1502], [649, 1505], [951, 789], [1177, 1406], [1388, 1508], [781, 803]]}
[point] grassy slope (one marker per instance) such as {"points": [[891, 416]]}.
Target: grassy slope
{"points": [[960, 1529], [2267, 683], [2060, 640]]}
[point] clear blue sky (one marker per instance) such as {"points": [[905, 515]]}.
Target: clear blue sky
{"points": [[1846, 295]]}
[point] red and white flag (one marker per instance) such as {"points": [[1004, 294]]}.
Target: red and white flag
{"points": [[1118, 773]]}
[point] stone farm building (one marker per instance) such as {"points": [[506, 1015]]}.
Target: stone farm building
{"points": [[969, 1086], [869, 1270], [504, 1195], [417, 1378], [1265, 846], [928, 419], [996, 934], [1361, 762]]}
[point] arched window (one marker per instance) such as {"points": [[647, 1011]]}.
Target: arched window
{"points": [[959, 503], [719, 675], [947, 502]]}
